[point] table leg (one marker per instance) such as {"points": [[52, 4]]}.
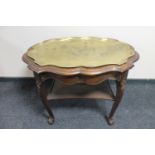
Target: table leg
{"points": [[42, 92], [120, 87]]}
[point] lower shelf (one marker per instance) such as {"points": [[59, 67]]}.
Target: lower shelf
{"points": [[61, 91]]}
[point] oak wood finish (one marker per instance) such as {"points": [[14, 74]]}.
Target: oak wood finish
{"points": [[82, 75]]}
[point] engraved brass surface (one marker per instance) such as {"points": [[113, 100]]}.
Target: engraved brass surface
{"points": [[81, 51]]}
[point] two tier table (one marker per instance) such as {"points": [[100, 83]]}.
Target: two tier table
{"points": [[80, 67]]}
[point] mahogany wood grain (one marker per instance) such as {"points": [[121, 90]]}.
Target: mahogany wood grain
{"points": [[81, 75]]}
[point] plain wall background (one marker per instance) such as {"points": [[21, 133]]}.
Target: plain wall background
{"points": [[14, 41]]}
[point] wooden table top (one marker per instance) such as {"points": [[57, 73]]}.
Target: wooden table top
{"points": [[81, 51]]}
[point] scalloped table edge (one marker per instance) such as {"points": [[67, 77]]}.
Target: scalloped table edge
{"points": [[69, 71]]}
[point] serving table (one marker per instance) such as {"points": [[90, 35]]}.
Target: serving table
{"points": [[80, 67]]}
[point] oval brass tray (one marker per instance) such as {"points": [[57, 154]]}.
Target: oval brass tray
{"points": [[81, 51]]}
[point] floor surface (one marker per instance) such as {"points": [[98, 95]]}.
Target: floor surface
{"points": [[21, 108]]}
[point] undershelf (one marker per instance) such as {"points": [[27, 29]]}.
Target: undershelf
{"points": [[61, 91]]}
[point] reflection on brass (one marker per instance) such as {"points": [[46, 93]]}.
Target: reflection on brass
{"points": [[81, 51]]}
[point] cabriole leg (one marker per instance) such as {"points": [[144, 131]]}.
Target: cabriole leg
{"points": [[120, 87], [42, 92]]}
